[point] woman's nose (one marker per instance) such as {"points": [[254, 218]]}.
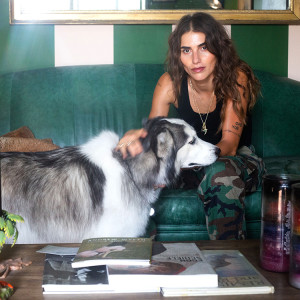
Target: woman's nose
{"points": [[196, 57]]}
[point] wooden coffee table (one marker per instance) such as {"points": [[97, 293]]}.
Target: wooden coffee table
{"points": [[28, 282]]}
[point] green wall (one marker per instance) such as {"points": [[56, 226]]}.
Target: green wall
{"points": [[141, 43], [25, 47], [264, 47]]}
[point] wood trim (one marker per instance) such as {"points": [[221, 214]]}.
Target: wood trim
{"points": [[291, 16]]}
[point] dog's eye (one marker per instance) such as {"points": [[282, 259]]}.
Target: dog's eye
{"points": [[193, 141]]}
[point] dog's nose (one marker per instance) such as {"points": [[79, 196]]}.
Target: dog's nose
{"points": [[217, 151]]}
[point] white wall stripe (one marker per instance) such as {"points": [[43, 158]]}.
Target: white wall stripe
{"points": [[84, 45], [294, 51], [228, 29]]}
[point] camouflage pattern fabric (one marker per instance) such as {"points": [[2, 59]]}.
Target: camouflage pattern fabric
{"points": [[222, 189]]}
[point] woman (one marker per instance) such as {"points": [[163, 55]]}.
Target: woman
{"points": [[214, 91]]}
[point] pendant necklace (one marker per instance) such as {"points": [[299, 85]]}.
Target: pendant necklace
{"points": [[203, 128]]}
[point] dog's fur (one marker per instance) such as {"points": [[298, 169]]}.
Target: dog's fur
{"points": [[73, 193]]}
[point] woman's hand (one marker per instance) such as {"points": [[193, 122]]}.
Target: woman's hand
{"points": [[130, 142]]}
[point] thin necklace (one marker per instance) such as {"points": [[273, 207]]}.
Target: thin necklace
{"points": [[204, 128]]}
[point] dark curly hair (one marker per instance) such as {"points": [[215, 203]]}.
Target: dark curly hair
{"points": [[227, 67]]}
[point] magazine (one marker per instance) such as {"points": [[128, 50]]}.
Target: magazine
{"points": [[172, 265], [59, 277], [113, 251], [237, 276]]}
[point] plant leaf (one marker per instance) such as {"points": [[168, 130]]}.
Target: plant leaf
{"points": [[9, 229], [15, 218], [2, 238], [15, 237], [2, 223]]}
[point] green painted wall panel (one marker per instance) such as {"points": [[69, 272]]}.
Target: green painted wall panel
{"points": [[24, 47], [232, 4], [264, 47], [141, 43]]}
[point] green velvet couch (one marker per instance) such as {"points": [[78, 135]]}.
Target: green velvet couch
{"points": [[72, 104]]}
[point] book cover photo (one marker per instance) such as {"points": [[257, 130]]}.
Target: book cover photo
{"points": [[113, 251], [60, 277]]}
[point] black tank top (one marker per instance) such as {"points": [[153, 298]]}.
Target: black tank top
{"points": [[186, 113]]}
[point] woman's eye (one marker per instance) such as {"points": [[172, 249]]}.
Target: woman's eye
{"points": [[186, 51], [193, 141]]}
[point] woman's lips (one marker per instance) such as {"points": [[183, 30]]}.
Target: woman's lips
{"points": [[198, 70]]}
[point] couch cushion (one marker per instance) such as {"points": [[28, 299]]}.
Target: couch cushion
{"points": [[181, 232], [179, 207], [179, 215], [253, 214]]}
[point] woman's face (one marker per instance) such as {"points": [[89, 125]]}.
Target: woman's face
{"points": [[198, 62]]}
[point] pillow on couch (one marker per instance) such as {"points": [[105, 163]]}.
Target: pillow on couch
{"points": [[23, 140]]}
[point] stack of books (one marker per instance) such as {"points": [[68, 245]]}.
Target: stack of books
{"points": [[87, 270], [138, 265]]}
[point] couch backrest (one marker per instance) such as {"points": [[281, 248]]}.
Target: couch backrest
{"points": [[72, 104], [276, 121]]}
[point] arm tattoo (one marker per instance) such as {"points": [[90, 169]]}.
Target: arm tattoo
{"points": [[237, 125], [233, 132]]}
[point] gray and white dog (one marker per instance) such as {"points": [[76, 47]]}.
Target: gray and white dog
{"points": [[73, 193]]}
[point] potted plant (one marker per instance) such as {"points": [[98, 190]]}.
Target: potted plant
{"points": [[8, 222], [8, 227], [8, 230]]}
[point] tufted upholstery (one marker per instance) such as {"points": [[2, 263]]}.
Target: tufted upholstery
{"points": [[72, 104]]}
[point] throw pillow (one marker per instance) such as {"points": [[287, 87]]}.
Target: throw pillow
{"points": [[23, 140]]}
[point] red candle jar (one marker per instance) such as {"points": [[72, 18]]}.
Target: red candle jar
{"points": [[294, 276], [276, 221]]}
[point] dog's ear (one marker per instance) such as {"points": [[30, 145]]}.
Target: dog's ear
{"points": [[159, 142], [153, 127], [164, 142]]}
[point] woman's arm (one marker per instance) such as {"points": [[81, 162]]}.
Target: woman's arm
{"points": [[162, 98], [233, 126]]}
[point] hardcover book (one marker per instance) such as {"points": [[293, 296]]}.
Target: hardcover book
{"points": [[172, 265], [60, 278], [237, 276], [113, 251]]}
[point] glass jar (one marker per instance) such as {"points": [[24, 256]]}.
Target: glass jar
{"points": [[294, 276], [276, 221]]}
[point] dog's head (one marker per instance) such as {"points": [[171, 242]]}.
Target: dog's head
{"points": [[176, 145]]}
